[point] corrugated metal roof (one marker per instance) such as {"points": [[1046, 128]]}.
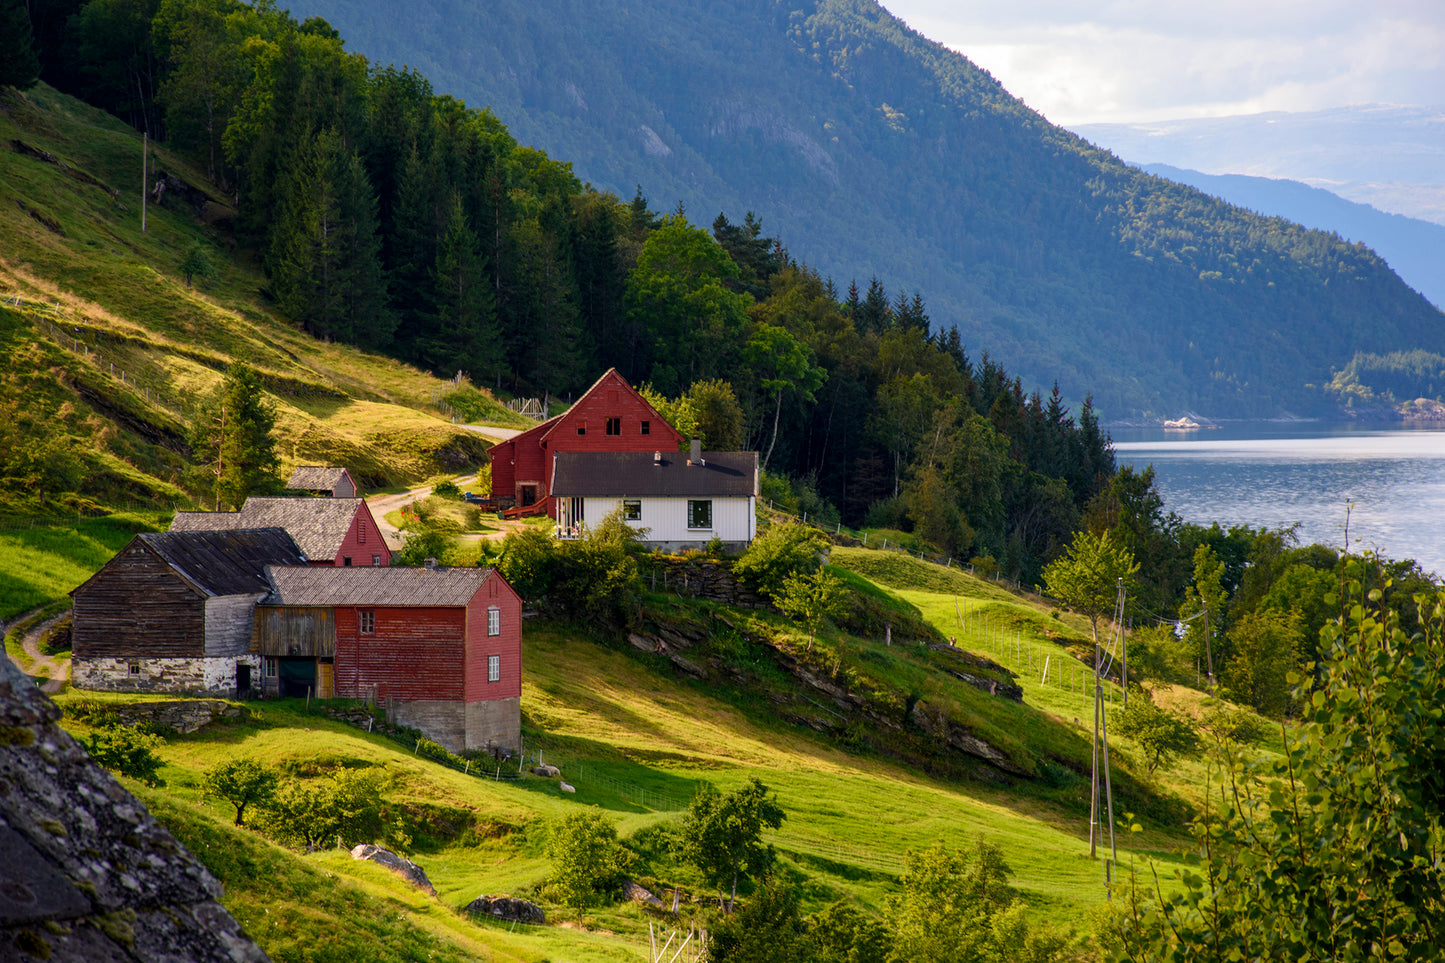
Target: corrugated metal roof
{"points": [[315, 478], [230, 562], [319, 525], [374, 586], [635, 473]]}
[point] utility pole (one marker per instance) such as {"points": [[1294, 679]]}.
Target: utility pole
{"points": [[1208, 653]]}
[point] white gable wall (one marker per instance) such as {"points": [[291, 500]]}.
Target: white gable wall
{"points": [[734, 520]]}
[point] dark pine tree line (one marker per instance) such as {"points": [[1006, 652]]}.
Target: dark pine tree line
{"points": [[399, 220]]}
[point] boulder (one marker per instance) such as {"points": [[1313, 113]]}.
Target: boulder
{"points": [[546, 770], [689, 667], [507, 908], [642, 642], [566, 787], [640, 894], [414, 874]]}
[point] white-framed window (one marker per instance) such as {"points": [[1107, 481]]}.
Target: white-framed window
{"points": [[367, 622], [494, 668], [632, 509], [270, 668], [699, 513], [494, 621], [376, 560]]}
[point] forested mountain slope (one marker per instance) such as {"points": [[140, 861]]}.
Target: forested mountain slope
{"points": [[871, 150]]}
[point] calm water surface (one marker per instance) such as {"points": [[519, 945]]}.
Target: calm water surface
{"points": [[1274, 475]]}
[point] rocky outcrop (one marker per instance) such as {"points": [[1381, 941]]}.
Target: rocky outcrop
{"points": [[507, 908], [413, 873], [640, 894], [184, 716], [86, 873], [702, 577], [1005, 688], [935, 721]]}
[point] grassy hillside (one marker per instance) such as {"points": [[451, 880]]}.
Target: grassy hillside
{"points": [[636, 738], [109, 348]]}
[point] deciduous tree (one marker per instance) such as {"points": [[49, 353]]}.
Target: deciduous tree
{"points": [[722, 835]]}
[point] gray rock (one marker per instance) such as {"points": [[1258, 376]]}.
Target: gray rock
{"points": [[414, 874], [507, 908], [546, 770], [640, 894]]}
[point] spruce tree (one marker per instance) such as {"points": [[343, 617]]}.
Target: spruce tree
{"points": [[20, 67], [463, 329]]}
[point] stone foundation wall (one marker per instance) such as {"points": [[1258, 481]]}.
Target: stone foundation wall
{"points": [[198, 676], [701, 577], [443, 721], [495, 724]]}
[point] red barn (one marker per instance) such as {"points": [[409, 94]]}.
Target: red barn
{"points": [[610, 416], [441, 649], [331, 531]]}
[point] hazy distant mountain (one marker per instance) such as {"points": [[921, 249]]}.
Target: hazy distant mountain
{"points": [[1392, 158], [1414, 248], [873, 151]]}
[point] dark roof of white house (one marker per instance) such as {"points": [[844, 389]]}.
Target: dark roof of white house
{"points": [[319, 525], [230, 562], [598, 474], [316, 478], [374, 585]]}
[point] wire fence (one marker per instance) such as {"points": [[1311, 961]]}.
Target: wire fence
{"points": [[1045, 662], [148, 383], [882, 543]]}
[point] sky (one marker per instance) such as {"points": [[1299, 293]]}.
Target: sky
{"points": [[1132, 61]]}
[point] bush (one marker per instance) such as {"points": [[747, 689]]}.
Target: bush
{"points": [[446, 488], [782, 550], [586, 859], [1163, 735], [346, 806], [128, 751]]}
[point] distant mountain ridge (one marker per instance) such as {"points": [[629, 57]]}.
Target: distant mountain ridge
{"points": [[1390, 157], [871, 151], [1413, 247]]}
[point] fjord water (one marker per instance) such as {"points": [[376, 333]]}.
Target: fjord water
{"points": [[1275, 474]]}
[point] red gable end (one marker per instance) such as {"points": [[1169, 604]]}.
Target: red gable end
{"points": [[610, 416]]}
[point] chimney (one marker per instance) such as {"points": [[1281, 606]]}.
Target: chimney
{"points": [[696, 458], [657, 458], [429, 564]]}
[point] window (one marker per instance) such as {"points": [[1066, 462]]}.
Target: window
{"points": [[346, 560], [135, 668], [367, 622], [614, 426], [494, 668], [632, 509], [699, 514], [494, 622], [376, 560], [270, 668], [647, 427], [581, 427]]}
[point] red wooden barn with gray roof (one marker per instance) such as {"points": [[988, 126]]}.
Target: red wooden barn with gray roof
{"points": [[610, 416], [440, 648], [331, 531], [173, 612]]}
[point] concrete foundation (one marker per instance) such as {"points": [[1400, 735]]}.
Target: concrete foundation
{"points": [[492, 724]]}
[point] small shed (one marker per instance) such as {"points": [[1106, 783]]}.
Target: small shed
{"points": [[440, 648], [682, 501], [173, 612], [331, 531], [331, 481]]}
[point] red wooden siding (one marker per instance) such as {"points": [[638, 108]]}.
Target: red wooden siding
{"points": [[494, 592], [527, 459], [362, 541], [414, 654]]}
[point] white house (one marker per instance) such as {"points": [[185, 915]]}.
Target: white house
{"points": [[681, 501]]}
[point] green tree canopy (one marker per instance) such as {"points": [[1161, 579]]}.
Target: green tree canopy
{"points": [[722, 835], [586, 858], [233, 436], [1087, 577]]}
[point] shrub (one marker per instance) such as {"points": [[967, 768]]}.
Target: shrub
{"points": [[128, 751], [1162, 734], [586, 859], [782, 550], [446, 488]]}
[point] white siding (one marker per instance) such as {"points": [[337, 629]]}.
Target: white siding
{"points": [[733, 518]]}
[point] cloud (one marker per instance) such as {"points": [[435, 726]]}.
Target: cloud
{"points": [[1129, 60]]}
